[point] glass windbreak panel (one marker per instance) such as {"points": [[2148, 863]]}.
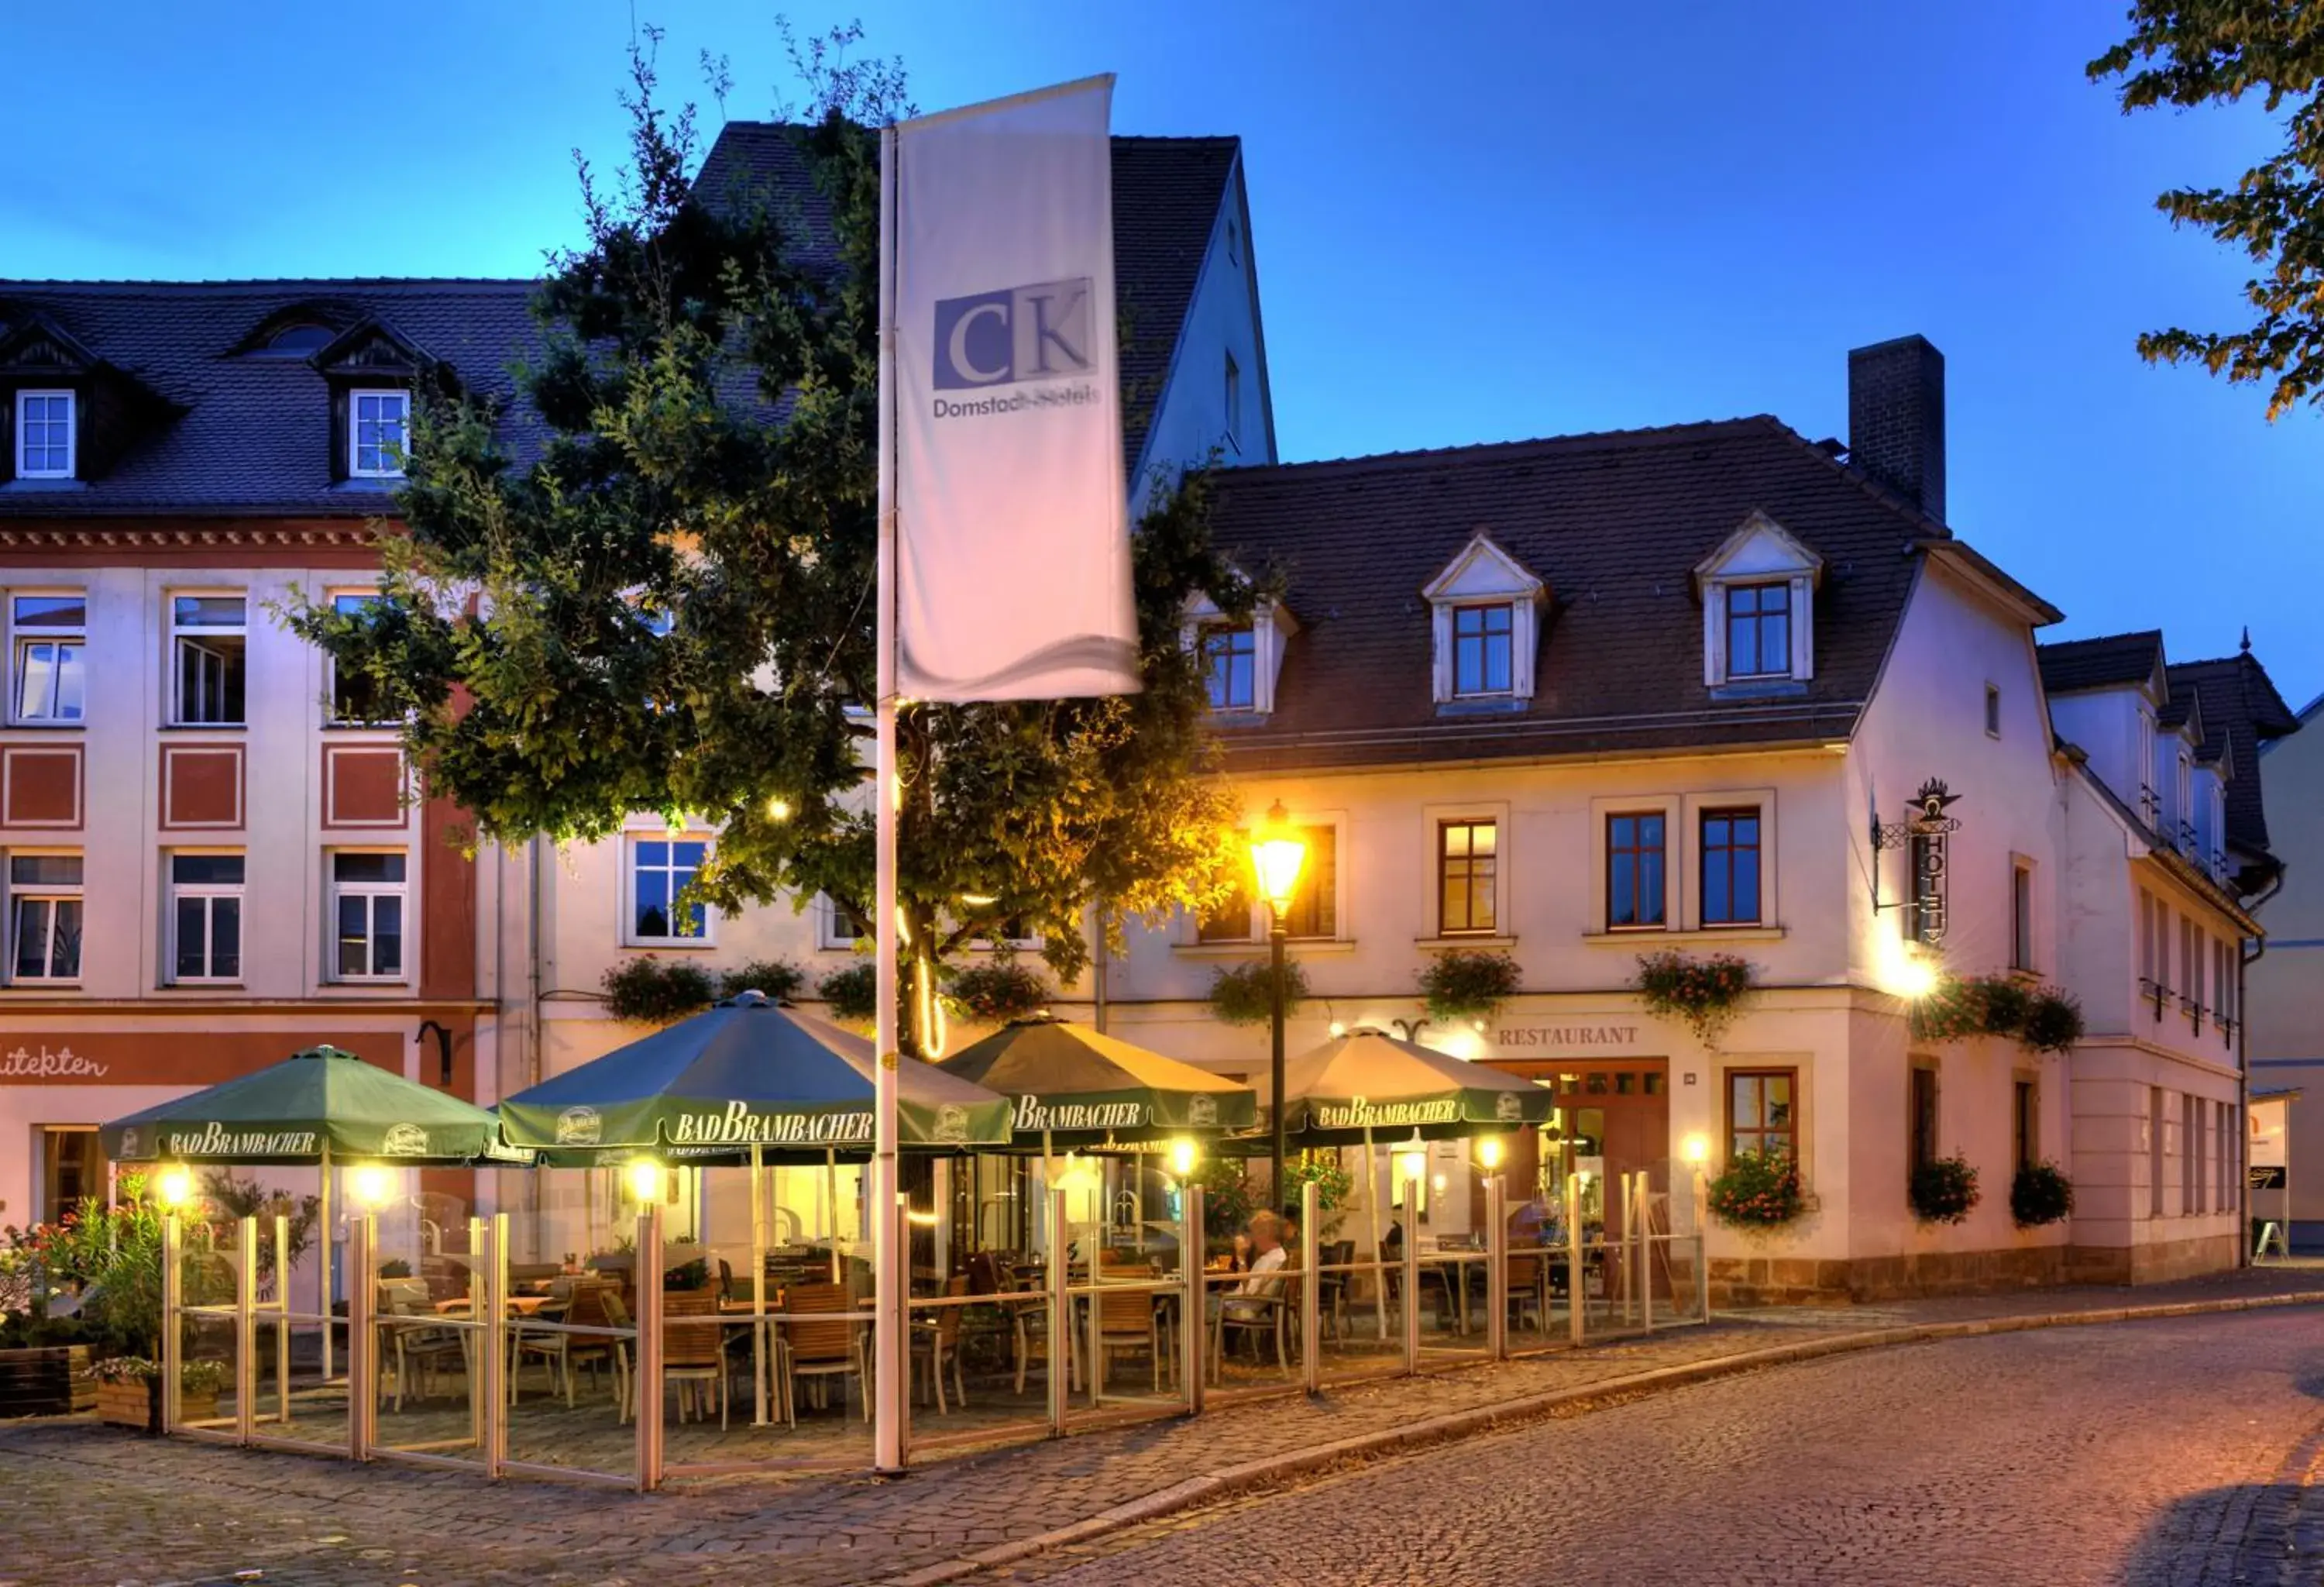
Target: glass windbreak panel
{"points": [[51, 611], [206, 870]]}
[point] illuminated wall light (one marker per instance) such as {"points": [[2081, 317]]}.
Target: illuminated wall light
{"points": [[371, 1186], [1698, 1149]]}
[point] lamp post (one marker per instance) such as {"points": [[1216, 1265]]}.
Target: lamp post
{"points": [[1276, 854]]}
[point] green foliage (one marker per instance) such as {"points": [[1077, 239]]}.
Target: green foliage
{"points": [[1944, 1191], [2039, 1193], [780, 978], [851, 992], [1230, 1197], [196, 1378], [1757, 1190], [111, 1256], [1244, 995], [686, 1275], [647, 991], [997, 992], [232, 1196], [1706, 994], [1468, 984], [2040, 1019], [670, 609], [2183, 53], [1334, 1184]]}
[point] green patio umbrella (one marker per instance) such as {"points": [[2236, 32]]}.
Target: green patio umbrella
{"points": [[1067, 1080]]}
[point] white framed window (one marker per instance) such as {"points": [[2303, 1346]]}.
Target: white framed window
{"points": [[377, 423], [45, 435], [1230, 666], [1759, 630], [354, 700], [1242, 660], [1992, 710], [1758, 606], [1484, 650], [1484, 604], [653, 909], [209, 639], [44, 917], [2021, 914], [2149, 802], [1319, 905], [204, 917], [50, 634], [834, 927], [368, 915]]}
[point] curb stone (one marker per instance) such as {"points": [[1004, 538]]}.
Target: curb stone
{"points": [[1270, 1471]]}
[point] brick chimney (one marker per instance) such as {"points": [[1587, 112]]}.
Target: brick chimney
{"points": [[1896, 419]]}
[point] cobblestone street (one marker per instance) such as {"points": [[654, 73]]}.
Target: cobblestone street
{"points": [[2008, 1449]]}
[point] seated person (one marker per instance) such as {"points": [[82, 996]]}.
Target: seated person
{"points": [[1266, 1258]]}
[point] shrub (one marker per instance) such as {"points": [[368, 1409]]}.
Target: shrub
{"points": [[2040, 1019], [1758, 1189], [1334, 1185], [646, 991], [1229, 1195], [780, 978], [2040, 1194], [1244, 995], [2053, 1022], [851, 993], [1944, 1191], [1468, 984], [1706, 994], [996, 993]]}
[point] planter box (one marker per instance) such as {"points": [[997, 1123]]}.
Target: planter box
{"points": [[45, 1381], [134, 1403]]}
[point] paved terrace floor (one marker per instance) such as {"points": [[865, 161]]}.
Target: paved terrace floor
{"points": [[90, 1504]]}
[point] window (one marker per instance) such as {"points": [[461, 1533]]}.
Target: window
{"points": [[367, 915], [1922, 1125], [2021, 916], [660, 871], [2024, 1124], [1634, 853], [2153, 1151], [1234, 403], [1231, 921], [2147, 800], [72, 1169], [375, 434], [1482, 650], [2190, 1157], [1759, 630], [1992, 711], [45, 435], [2183, 812], [206, 917], [208, 639], [2147, 936], [354, 699], [1314, 907], [2194, 957], [1231, 664], [1467, 860], [838, 927], [1730, 867], [44, 903], [2229, 1175], [1760, 1116], [50, 632]]}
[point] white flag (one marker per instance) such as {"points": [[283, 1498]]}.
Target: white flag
{"points": [[1012, 533]]}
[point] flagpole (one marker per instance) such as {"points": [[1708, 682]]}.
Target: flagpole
{"points": [[887, 1257]]}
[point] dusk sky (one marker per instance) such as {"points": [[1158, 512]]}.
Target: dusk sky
{"points": [[1492, 222]]}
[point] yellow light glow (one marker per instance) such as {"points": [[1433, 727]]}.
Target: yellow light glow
{"points": [[1277, 852], [1183, 1157], [1489, 1152], [1411, 1164], [978, 900], [1339, 1029], [646, 1179], [173, 1186], [1908, 971], [371, 1186], [1078, 1175], [920, 1220], [778, 808], [1698, 1149]]}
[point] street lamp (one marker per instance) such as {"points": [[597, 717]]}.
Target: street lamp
{"points": [[1276, 854]]}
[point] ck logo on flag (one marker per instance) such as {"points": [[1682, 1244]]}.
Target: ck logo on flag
{"points": [[1040, 332]]}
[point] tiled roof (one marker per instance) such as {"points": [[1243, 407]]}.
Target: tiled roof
{"points": [[1615, 524], [2114, 660], [1167, 194], [2241, 710], [250, 434]]}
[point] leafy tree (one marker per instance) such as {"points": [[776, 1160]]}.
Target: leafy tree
{"points": [[670, 608], [2190, 52]]}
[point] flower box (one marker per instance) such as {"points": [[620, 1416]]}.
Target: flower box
{"points": [[129, 1402]]}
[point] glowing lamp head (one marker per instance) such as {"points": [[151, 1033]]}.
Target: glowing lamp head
{"points": [[1914, 975], [1339, 1029], [371, 1186], [1276, 854], [1183, 1157], [1412, 1162], [173, 1186], [647, 1180], [1698, 1149], [1489, 1152]]}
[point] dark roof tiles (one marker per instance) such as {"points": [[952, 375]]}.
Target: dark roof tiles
{"points": [[2241, 710], [2114, 660]]}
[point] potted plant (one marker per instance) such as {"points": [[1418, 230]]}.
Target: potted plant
{"points": [[1943, 1191], [1468, 984], [129, 1391], [1244, 995], [1758, 1190], [647, 991], [2039, 1193], [1705, 993]]}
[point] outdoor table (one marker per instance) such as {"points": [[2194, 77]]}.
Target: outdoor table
{"points": [[522, 1306]]}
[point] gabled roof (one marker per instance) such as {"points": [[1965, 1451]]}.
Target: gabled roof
{"points": [[2242, 711], [251, 435], [1166, 197], [2114, 660], [1615, 525]]}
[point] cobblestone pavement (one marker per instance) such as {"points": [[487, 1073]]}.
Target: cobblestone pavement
{"points": [[2176, 1452], [82, 1504]]}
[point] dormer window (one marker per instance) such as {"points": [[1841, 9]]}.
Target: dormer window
{"points": [[376, 438], [45, 435], [1240, 660], [1230, 666], [1487, 623], [1758, 609]]}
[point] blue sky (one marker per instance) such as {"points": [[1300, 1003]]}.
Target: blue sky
{"points": [[1511, 220]]}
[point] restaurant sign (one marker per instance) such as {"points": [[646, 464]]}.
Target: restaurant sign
{"points": [[1358, 1113], [1032, 1114], [737, 1125], [1566, 1039], [214, 1140]]}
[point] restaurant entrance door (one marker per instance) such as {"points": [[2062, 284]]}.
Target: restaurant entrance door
{"points": [[1612, 1119]]}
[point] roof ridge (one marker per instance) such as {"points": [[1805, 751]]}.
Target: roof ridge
{"points": [[1580, 442], [125, 285], [759, 124], [2102, 639]]}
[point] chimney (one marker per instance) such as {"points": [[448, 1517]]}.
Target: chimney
{"points": [[1896, 419]]}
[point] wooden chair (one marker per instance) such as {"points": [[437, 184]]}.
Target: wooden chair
{"points": [[821, 1351], [1127, 1320], [694, 1351], [418, 1346], [1255, 1314], [1528, 1290], [937, 1343], [590, 1305]]}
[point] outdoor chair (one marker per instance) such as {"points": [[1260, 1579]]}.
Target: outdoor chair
{"points": [[1529, 1291], [1332, 1288], [937, 1344], [1253, 1316], [418, 1346], [590, 1305], [823, 1346], [1128, 1321], [694, 1353], [1027, 1312]]}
